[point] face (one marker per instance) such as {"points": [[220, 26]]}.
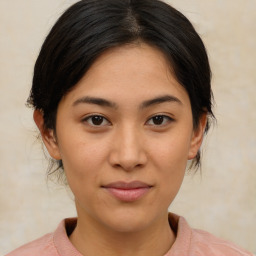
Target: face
{"points": [[124, 134]]}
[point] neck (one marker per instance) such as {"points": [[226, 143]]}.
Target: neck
{"points": [[92, 239]]}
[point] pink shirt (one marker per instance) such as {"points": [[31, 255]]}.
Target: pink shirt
{"points": [[189, 242]]}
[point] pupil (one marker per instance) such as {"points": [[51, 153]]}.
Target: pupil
{"points": [[97, 120], [158, 120]]}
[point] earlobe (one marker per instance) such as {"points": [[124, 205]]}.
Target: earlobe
{"points": [[197, 137], [47, 135]]}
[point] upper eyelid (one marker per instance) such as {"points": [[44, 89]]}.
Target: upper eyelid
{"points": [[101, 115], [165, 116], [85, 118], [92, 115], [162, 114]]}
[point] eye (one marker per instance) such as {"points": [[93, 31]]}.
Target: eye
{"points": [[159, 120], [96, 120]]}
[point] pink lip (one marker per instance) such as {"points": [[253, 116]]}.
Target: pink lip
{"points": [[128, 192]]}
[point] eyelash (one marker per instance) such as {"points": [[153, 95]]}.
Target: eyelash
{"points": [[164, 117], [95, 116], [167, 119]]}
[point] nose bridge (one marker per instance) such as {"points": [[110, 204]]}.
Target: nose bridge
{"points": [[128, 151]]}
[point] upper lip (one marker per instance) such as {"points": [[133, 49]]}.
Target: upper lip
{"points": [[127, 185]]}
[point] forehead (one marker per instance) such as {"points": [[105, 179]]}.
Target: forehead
{"points": [[129, 73], [140, 60]]}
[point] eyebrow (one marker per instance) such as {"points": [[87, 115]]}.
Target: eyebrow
{"points": [[145, 104], [95, 101], [159, 100]]}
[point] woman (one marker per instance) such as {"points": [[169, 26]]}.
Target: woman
{"points": [[122, 98]]}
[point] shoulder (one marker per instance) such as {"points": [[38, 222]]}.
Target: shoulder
{"points": [[197, 242], [203, 242], [53, 244], [43, 246]]}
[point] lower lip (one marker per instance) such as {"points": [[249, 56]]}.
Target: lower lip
{"points": [[128, 195]]}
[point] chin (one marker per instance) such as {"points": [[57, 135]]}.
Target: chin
{"points": [[128, 220]]}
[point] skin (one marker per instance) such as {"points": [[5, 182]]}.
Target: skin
{"points": [[127, 144]]}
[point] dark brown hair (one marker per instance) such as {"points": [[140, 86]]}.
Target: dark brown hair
{"points": [[90, 27]]}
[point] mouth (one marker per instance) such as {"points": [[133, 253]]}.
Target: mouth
{"points": [[128, 191]]}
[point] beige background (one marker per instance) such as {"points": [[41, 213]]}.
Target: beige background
{"points": [[222, 201]]}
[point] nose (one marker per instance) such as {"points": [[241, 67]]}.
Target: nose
{"points": [[128, 150]]}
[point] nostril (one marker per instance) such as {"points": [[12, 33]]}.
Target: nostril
{"points": [[128, 153], [128, 166]]}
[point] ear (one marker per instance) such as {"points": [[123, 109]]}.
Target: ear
{"points": [[197, 137], [48, 136]]}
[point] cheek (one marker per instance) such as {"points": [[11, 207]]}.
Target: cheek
{"points": [[170, 159], [171, 152], [82, 158]]}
